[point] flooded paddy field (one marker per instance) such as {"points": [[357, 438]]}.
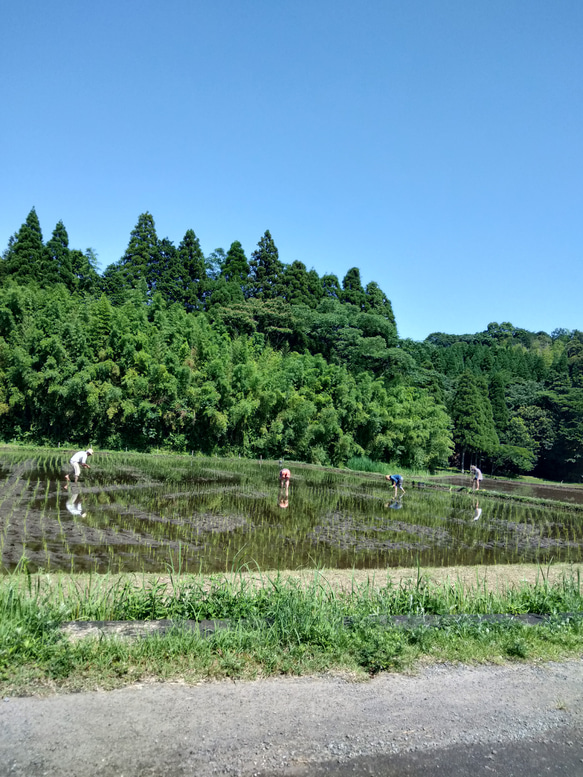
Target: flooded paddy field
{"points": [[148, 513], [564, 493]]}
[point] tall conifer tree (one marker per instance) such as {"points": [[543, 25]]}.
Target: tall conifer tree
{"points": [[352, 290], [474, 430], [331, 286], [295, 284], [26, 256], [498, 401], [236, 266], [266, 269], [377, 302], [141, 261], [192, 271], [58, 258]]}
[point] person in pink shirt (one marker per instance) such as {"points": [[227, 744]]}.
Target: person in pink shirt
{"points": [[284, 476]]}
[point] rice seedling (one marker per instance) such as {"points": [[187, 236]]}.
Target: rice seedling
{"points": [[139, 511]]}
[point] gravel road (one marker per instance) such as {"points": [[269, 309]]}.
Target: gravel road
{"points": [[509, 720]]}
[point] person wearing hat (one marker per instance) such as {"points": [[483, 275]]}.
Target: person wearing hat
{"points": [[77, 461]]}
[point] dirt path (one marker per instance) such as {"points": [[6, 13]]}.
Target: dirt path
{"points": [[490, 720]]}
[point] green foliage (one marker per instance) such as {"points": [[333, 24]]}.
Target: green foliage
{"points": [[498, 401], [118, 358], [276, 627], [352, 291], [513, 460], [236, 267], [190, 273], [59, 267], [471, 412], [26, 258], [266, 269]]}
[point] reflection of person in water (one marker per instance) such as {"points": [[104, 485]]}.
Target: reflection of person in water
{"points": [[284, 477], [73, 506], [283, 499], [396, 504], [477, 511]]}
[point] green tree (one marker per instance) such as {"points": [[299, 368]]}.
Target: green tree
{"points": [[59, 267], [86, 279], [295, 285], [352, 291], [141, 261], [513, 460], [377, 302], [236, 267], [26, 257], [193, 271], [331, 287], [497, 394], [471, 412], [266, 269], [168, 281]]}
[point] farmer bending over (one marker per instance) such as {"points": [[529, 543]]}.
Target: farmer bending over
{"points": [[77, 461], [477, 477], [397, 482]]}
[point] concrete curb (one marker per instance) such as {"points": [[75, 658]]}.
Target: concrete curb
{"points": [[75, 630]]}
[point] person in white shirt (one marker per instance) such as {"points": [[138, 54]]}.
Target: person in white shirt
{"points": [[77, 461], [478, 477]]}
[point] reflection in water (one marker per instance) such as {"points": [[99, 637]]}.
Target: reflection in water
{"points": [[283, 498], [74, 505], [209, 515]]}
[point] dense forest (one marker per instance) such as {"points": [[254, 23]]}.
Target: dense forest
{"points": [[169, 348]]}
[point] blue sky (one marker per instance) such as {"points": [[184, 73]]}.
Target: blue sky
{"points": [[436, 145]]}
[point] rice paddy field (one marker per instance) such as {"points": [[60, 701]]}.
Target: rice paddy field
{"points": [[148, 513]]}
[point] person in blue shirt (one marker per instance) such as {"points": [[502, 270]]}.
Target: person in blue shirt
{"points": [[397, 482]]}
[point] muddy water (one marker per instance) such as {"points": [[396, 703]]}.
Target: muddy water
{"points": [[140, 513], [558, 493]]}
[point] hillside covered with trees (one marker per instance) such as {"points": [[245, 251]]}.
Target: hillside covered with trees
{"points": [[230, 354]]}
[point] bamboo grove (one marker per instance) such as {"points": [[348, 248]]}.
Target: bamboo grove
{"points": [[169, 348]]}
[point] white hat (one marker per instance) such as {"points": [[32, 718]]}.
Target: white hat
{"points": [[90, 451]]}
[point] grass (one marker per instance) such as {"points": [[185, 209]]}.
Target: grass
{"points": [[281, 627], [364, 464]]}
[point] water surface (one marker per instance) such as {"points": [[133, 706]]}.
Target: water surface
{"points": [[155, 514]]}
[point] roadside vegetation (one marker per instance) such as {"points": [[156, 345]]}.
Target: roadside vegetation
{"points": [[280, 627]]}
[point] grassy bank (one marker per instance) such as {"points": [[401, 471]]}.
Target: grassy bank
{"points": [[280, 625]]}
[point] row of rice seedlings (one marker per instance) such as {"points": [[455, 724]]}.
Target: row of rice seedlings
{"points": [[43, 525], [325, 496]]}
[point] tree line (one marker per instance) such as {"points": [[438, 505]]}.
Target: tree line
{"points": [[228, 354]]}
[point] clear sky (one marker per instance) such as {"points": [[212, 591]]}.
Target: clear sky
{"points": [[435, 144]]}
